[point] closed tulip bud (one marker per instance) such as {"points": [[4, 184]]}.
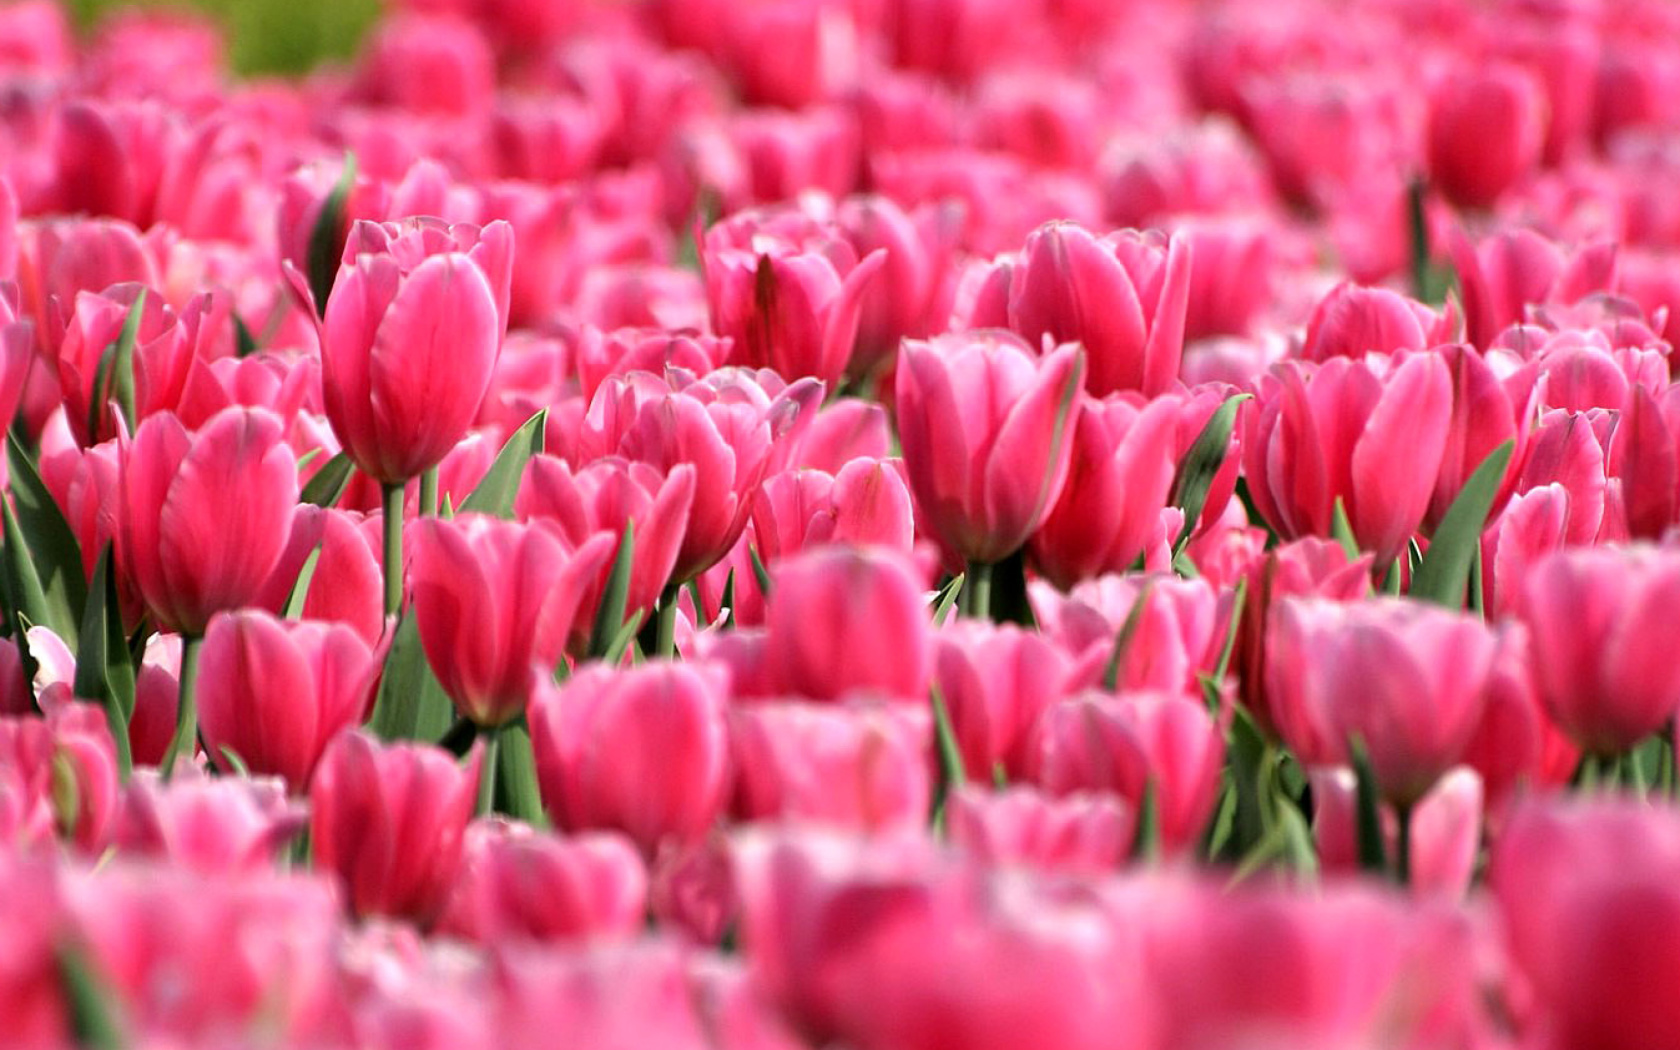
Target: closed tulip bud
{"points": [[1122, 297], [1517, 267], [1369, 432], [1483, 418], [410, 339], [867, 504], [996, 680], [832, 605], [517, 884], [912, 296], [988, 433], [274, 692], [644, 751], [346, 585], [858, 767], [1487, 125], [1353, 321], [492, 598], [1446, 832], [1644, 455], [1161, 744], [1598, 620], [1083, 833], [389, 822], [1406, 679], [221, 826], [204, 516], [1121, 473], [609, 494], [162, 356]]}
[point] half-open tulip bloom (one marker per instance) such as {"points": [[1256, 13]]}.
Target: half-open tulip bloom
{"points": [[492, 598], [987, 428], [273, 693], [205, 516]]}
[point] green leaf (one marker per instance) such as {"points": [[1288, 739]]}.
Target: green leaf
{"points": [[1250, 759], [609, 615], [1200, 464], [518, 771], [1341, 530], [952, 775], [329, 482], [29, 602], [293, 609], [760, 573], [946, 598], [1373, 857], [494, 495], [51, 543], [1299, 851], [114, 378], [245, 344], [1452, 549], [89, 1000], [235, 762], [1146, 847], [411, 705], [1123, 638], [621, 641], [103, 671], [1239, 604], [326, 240]]}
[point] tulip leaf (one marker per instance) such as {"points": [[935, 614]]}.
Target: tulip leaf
{"points": [[1249, 771], [52, 547], [89, 1001], [1146, 847], [1297, 841], [494, 494], [1341, 530], [760, 573], [518, 772], [951, 772], [411, 705], [609, 614], [235, 762], [293, 609], [113, 378], [103, 670], [1201, 464], [1445, 571], [1123, 638], [1239, 603], [621, 641], [326, 240], [28, 601], [1373, 857], [245, 344], [726, 603], [946, 598], [328, 484]]}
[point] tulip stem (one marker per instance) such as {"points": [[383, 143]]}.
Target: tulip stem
{"points": [[976, 594], [1403, 846], [429, 491], [393, 525], [186, 714], [665, 641], [487, 771]]}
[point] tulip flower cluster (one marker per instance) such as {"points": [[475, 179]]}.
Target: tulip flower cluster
{"points": [[804, 523]]}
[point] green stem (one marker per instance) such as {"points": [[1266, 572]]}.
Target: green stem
{"points": [[487, 771], [665, 641], [429, 491], [393, 524], [1403, 847], [976, 598], [186, 715]]}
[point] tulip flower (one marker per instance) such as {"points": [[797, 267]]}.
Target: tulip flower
{"points": [[1122, 297], [1083, 833], [866, 504], [1369, 433], [275, 693], [644, 751], [1486, 130], [1598, 620], [1352, 321], [1446, 828], [204, 518], [987, 429], [911, 298], [215, 826], [389, 823], [493, 598], [347, 570], [996, 680]]}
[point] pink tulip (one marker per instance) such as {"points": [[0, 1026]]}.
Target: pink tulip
{"points": [[1408, 680], [204, 517], [162, 355], [987, 431], [1085, 834], [995, 681], [1133, 745], [1177, 637], [1120, 476], [218, 826], [1483, 418], [598, 355], [58, 775], [1517, 267], [644, 751], [1122, 297], [609, 495], [1644, 455], [787, 291], [1517, 748], [516, 884], [1486, 129], [830, 606], [1369, 433], [492, 598], [276, 693], [410, 338], [33, 1003], [389, 821], [911, 297], [1446, 833], [1234, 274], [346, 585], [1352, 321], [867, 768], [157, 697], [1596, 618], [866, 504]]}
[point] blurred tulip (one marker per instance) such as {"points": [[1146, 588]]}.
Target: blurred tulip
{"points": [[1446, 832], [1486, 128], [1085, 834], [995, 681], [1352, 321], [222, 826]]}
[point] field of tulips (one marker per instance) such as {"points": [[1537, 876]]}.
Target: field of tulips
{"points": [[856, 524]]}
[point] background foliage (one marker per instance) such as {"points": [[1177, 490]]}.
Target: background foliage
{"points": [[267, 36]]}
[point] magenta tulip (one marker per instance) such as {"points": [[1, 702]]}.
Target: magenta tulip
{"points": [[1082, 833], [996, 680], [216, 826], [516, 884]]}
